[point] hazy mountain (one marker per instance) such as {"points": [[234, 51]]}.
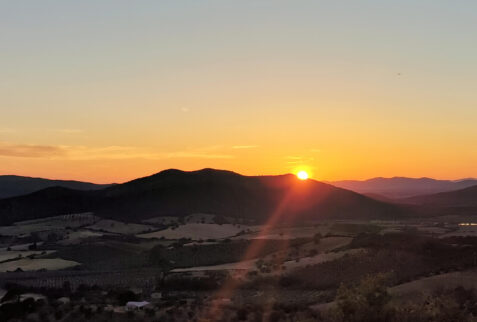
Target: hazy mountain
{"points": [[461, 198], [381, 198], [401, 187], [459, 202], [11, 186], [178, 193]]}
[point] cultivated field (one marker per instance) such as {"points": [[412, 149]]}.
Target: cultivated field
{"points": [[423, 287], [8, 255], [196, 231], [76, 237], [118, 227], [57, 223], [190, 258], [27, 264]]}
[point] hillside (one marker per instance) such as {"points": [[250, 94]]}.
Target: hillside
{"points": [[401, 187], [179, 193], [44, 203], [461, 198], [461, 202], [11, 186]]}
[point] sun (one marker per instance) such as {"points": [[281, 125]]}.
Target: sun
{"points": [[302, 175]]}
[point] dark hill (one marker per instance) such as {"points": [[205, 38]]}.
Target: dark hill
{"points": [[11, 186], [178, 193], [461, 198], [44, 203], [460, 202]]}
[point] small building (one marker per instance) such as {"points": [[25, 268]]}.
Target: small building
{"points": [[34, 296], [64, 300], [134, 306]]}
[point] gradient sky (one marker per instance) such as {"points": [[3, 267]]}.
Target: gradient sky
{"points": [[111, 90]]}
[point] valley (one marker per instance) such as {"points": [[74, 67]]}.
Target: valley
{"points": [[298, 261]]}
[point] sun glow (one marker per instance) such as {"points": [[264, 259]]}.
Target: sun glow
{"points": [[302, 175]]}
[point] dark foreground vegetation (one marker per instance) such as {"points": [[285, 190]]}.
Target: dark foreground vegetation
{"points": [[369, 300], [354, 287], [364, 301]]}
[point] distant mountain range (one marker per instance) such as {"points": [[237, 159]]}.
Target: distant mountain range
{"points": [[11, 186], [179, 193], [401, 187]]}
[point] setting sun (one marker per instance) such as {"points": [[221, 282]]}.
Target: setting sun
{"points": [[302, 175]]}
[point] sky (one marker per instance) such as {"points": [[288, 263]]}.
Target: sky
{"points": [[107, 91]]}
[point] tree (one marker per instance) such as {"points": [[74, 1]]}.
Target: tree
{"points": [[366, 301], [220, 220], [126, 296], [160, 261], [317, 238]]}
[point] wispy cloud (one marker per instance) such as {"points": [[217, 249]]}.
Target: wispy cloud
{"points": [[68, 131], [6, 130], [245, 146], [108, 152], [294, 162], [30, 151], [205, 152], [197, 155], [124, 152], [294, 159]]}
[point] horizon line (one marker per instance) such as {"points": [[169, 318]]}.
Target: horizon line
{"points": [[246, 175]]}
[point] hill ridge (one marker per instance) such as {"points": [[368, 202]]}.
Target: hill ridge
{"points": [[178, 193]]}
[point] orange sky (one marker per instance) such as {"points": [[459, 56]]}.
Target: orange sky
{"points": [[111, 91]]}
